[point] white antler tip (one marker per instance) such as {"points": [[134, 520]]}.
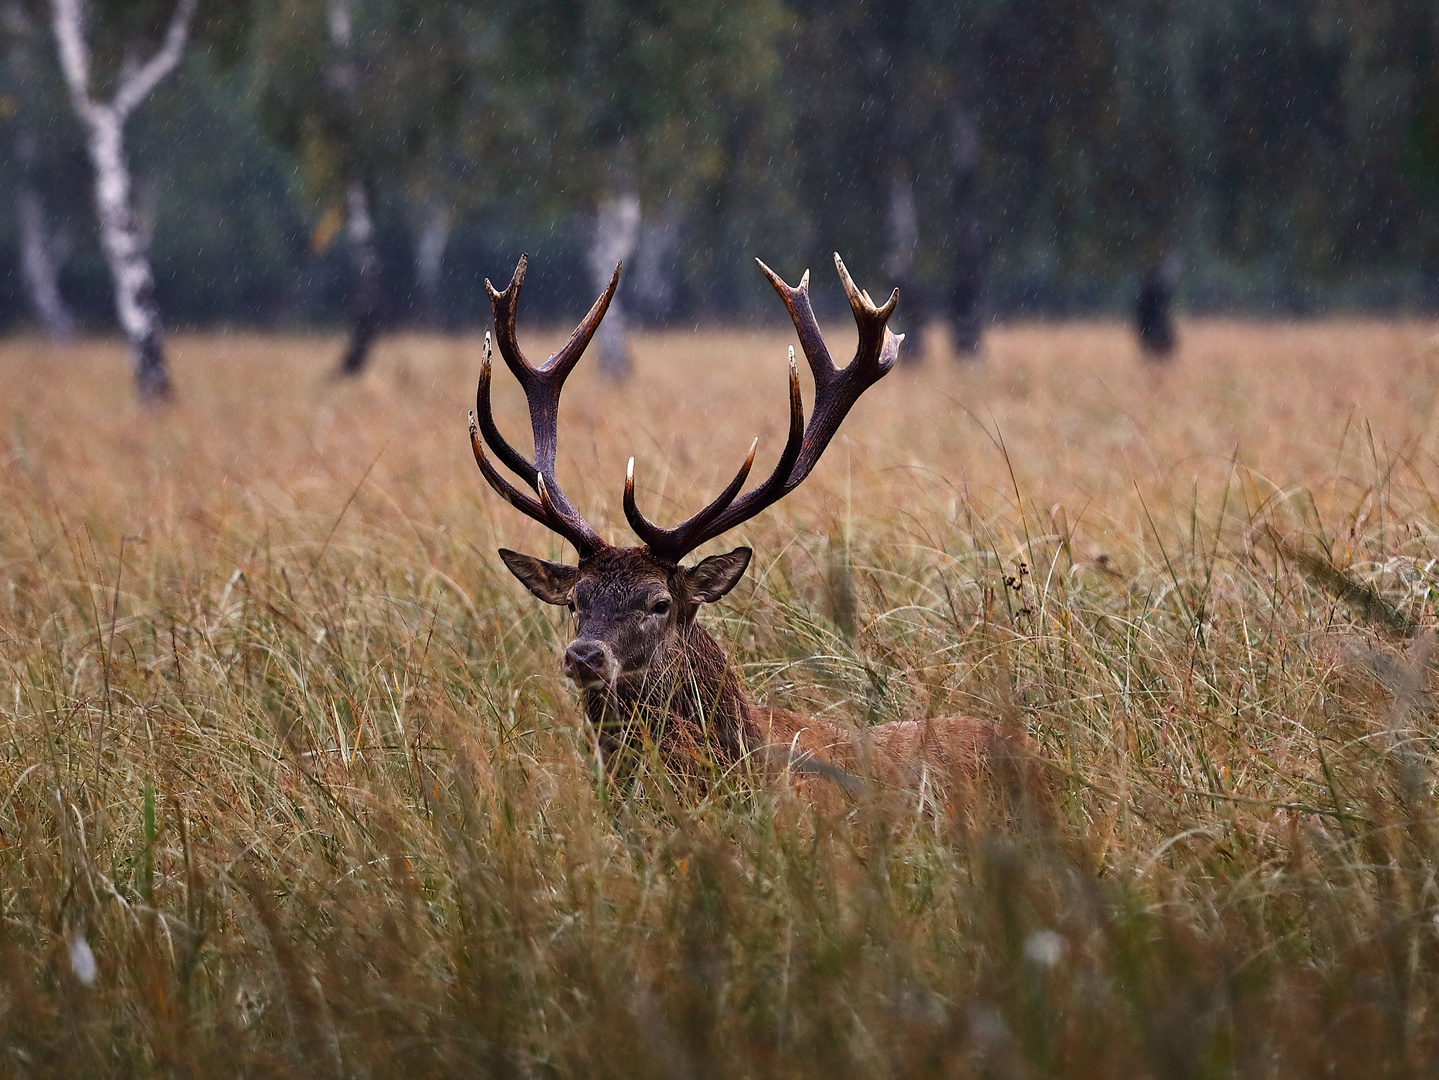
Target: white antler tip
{"points": [[630, 470]]}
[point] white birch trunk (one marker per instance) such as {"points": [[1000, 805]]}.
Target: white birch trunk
{"points": [[125, 248], [430, 245], [656, 266], [617, 227], [40, 257], [127, 254], [365, 293], [903, 230], [39, 265], [903, 236]]}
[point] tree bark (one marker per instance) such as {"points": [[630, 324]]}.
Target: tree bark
{"points": [[40, 258], [653, 287], [125, 248], [617, 226], [39, 264], [903, 230], [1154, 308], [430, 245], [971, 237], [344, 75], [365, 290]]}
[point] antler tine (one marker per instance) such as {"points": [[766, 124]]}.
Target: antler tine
{"points": [[568, 354], [871, 320], [661, 540], [503, 450], [802, 315], [506, 305], [542, 388], [564, 359], [516, 498], [836, 391], [678, 542]]}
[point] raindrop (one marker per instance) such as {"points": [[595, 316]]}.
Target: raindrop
{"points": [[82, 960], [1043, 948]]}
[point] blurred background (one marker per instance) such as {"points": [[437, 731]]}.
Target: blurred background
{"points": [[367, 163]]}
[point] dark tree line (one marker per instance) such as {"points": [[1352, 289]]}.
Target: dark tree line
{"points": [[371, 161]]}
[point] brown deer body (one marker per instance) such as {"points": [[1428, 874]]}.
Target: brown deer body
{"points": [[651, 676]]}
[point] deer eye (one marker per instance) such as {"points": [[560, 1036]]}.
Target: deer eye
{"points": [[660, 606]]}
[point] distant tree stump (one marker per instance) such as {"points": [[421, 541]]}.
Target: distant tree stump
{"points": [[1154, 309]]}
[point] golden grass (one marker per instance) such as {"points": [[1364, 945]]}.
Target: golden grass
{"points": [[288, 748]]}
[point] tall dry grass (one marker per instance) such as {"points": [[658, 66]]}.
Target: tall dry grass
{"points": [[288, 754]]}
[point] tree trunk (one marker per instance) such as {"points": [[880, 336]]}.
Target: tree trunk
{"points": [[39, 261], [430, 245], [127, 256], [125, 248], [39, 255], [903, 228], [1154, 308], [344, 75], [617, 226], [652, 282], [39, 265], [971, 238], [365, 291]]}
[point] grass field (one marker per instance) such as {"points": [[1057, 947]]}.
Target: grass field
{"points": [[288, 753]]}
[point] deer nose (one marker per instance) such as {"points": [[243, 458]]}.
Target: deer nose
{"points": [[588, 663]]}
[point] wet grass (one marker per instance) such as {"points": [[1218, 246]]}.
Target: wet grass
{"points": [[293, 785]]}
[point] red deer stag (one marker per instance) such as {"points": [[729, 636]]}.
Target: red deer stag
{"points": [[649, 674]]}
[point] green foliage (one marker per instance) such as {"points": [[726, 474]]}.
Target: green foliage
{"points": [[1286, 146], [654, 89], [381, 106]]}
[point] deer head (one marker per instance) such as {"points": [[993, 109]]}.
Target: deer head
{"points": [[634, 606]]}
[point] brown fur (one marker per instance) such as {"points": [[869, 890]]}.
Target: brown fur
{"points": [[669, 685]]}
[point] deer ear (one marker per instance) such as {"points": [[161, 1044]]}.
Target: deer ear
{"points": [[552, 582], [711, 578]]}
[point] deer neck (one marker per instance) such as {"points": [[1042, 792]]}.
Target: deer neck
{"points": [[692, 696]]}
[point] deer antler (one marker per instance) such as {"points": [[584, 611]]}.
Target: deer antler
{"points": [[542, 388], [836, 391]]}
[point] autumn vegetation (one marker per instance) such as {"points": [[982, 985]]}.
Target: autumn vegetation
{"points": [[293, 784]]}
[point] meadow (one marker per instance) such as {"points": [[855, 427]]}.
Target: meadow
{"points": [[294, 786]]}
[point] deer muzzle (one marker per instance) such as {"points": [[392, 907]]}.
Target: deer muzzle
{"points": [[591, 664]]}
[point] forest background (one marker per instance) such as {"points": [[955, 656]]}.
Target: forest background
{"points": [[994, 157]]}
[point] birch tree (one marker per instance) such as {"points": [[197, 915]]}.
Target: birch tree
{"points": [[619, 108], [362, 93], [432, 237], [885, 94], [41, 253], [124, 243], [344, 80]]}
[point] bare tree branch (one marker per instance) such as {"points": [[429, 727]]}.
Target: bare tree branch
{"points": [[136, 87], [68, 19]]}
